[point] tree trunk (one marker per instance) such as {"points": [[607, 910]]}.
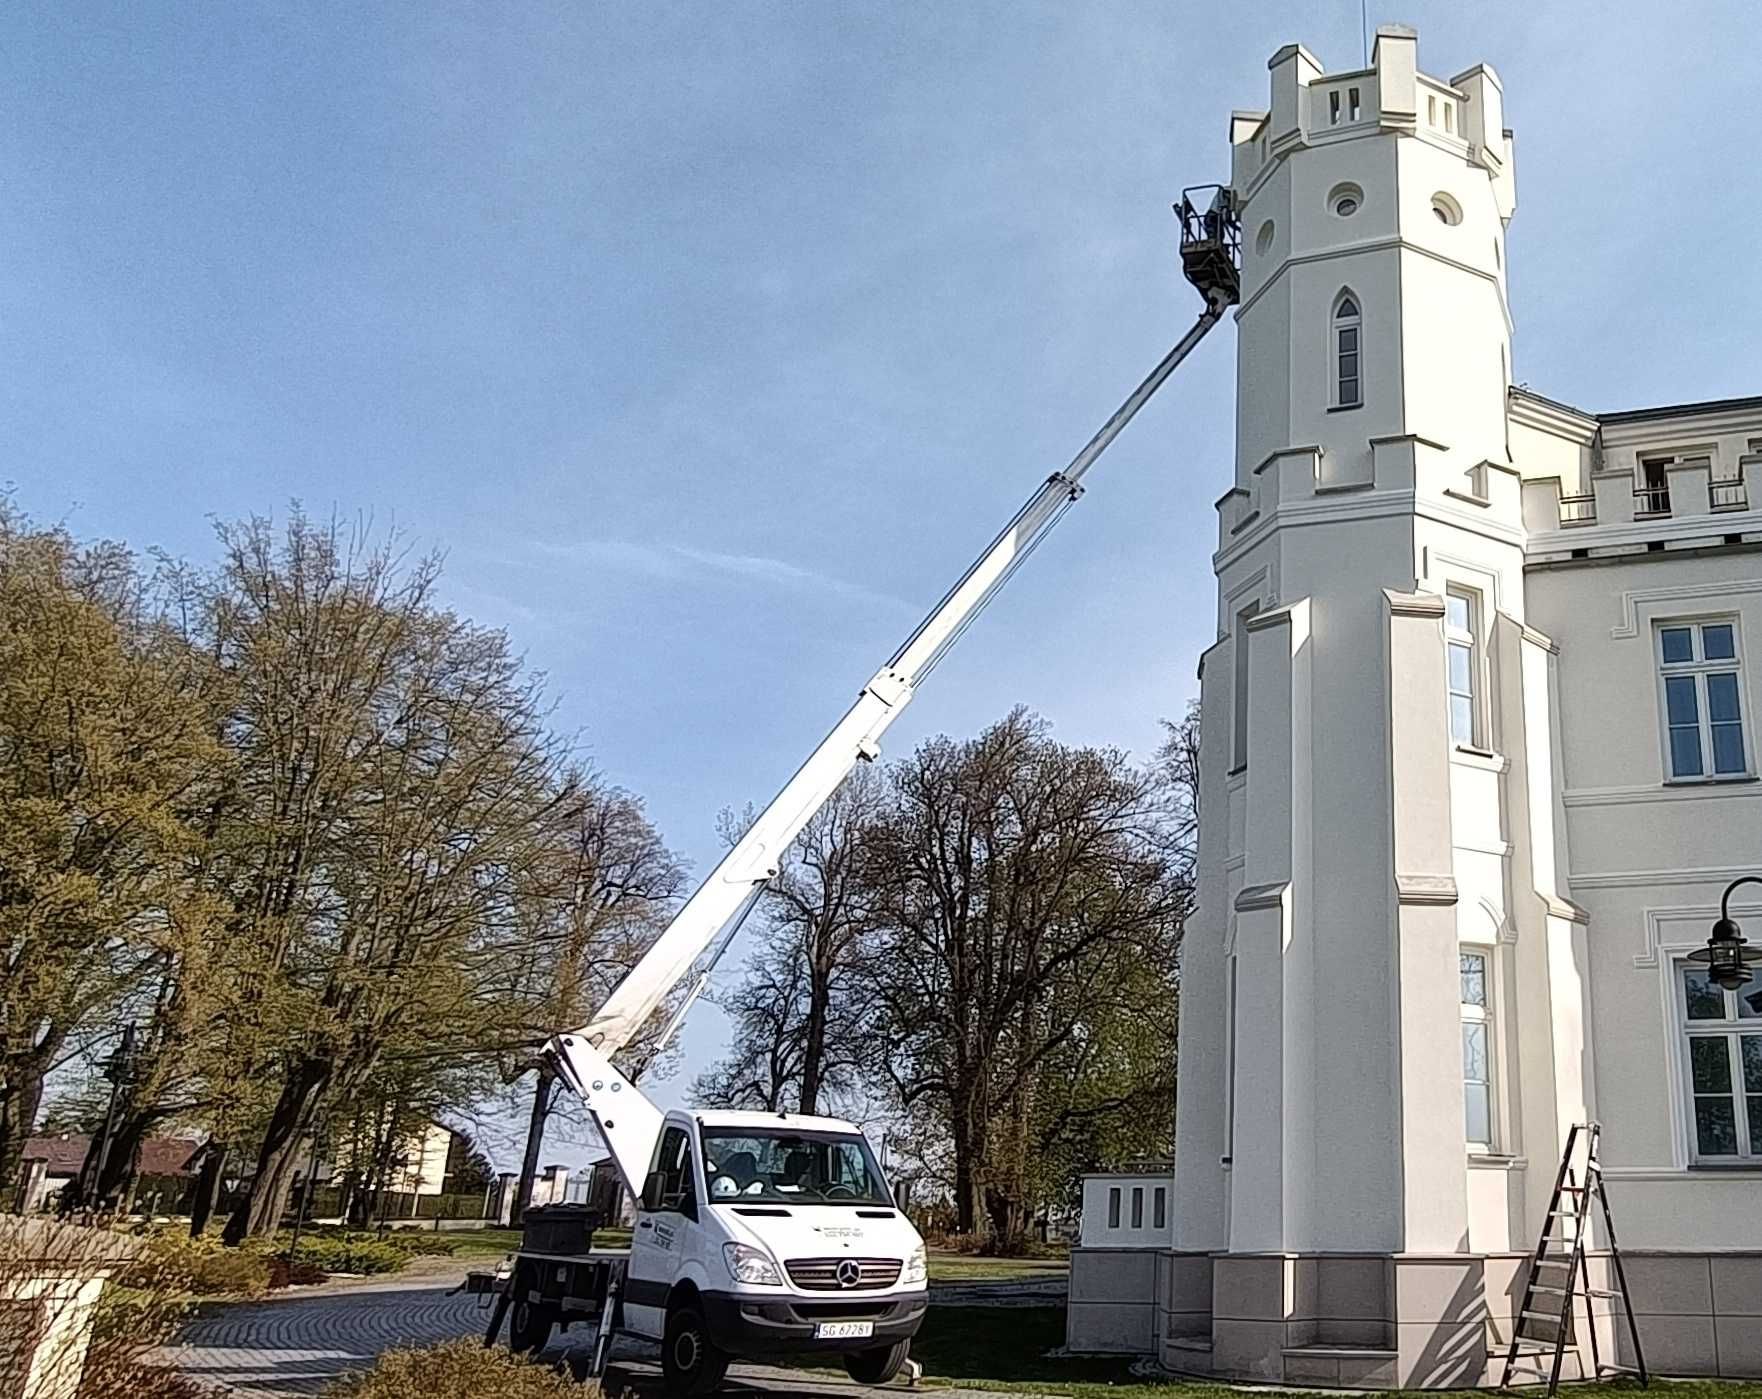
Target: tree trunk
{"points": [[260, 1211], [19, 1102], [207, 1188], [969, 1158], [535, 1138], [813, 1054]]}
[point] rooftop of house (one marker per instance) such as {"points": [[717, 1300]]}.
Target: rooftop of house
{"points": [[160, 1156]]}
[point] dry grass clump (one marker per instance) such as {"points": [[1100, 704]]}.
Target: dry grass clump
{"points": [[459, 1370]]}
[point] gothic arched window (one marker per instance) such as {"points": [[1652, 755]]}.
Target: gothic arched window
{"points": [[1348, 380]]}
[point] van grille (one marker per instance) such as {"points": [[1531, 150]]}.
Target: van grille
{"points": [[821, 1274]]}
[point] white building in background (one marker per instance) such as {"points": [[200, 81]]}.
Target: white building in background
{"points": [[1479, 755]]}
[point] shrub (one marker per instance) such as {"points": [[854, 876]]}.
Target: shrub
{"points": [[294, 1272], [350, 1255], [459, 1370], [129, 1324], [172, 1263]]}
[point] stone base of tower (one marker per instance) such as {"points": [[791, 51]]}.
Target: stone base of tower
{"points": [[1382, 1321]]}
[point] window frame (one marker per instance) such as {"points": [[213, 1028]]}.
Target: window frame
{"points": [[1486, 1016], [1697, 669], [1471, 640], [1340, 324], [1113, 1206], [1732, 1028], [1239, 687]]}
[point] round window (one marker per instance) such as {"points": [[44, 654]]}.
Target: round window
{"points": [[1344, 200], [1263, 241], [1446, 210]]}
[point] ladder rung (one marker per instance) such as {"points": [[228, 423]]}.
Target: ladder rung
{"points": [[1615, 1369], [1604, 1292], [1549, 1287]]}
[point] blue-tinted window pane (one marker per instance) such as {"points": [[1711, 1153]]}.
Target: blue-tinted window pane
{"points": [[1702, 1000], [1680, 701], [1722, 698], [1679, 644], [1716, 1130], [1459, 669], [1685, 753], [1461, 719], [1718, 643], [1710, 1064], [1728, 748], [1456, 612]]}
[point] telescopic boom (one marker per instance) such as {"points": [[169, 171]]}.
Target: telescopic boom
{"points": [[1209, 254]]}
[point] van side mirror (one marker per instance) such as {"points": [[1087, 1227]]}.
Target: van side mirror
{"points": [[651, 1191]]}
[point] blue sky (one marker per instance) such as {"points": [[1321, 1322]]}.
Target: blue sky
{"points": [[710, 341]]}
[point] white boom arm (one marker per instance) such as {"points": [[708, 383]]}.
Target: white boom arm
{"points": [[583, 1056]]}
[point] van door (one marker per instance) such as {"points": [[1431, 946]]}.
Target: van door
{"points": [[657, 1249]]}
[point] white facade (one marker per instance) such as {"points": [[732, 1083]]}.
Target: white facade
{"points": [[1447, 869]]}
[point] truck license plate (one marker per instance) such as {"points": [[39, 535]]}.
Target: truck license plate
{"points": [[842, 1330]]}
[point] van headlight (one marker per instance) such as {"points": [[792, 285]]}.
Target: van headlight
{"points": [[751, 1265], [917, 1267]]}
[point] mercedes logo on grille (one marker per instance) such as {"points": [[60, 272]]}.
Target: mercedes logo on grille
{"points": [[849, 1273]]}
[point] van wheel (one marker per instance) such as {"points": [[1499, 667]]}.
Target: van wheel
{"points": [[877, 1366], [691, 1364]]}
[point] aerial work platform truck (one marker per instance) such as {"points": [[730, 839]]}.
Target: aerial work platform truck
{"points": [[767, 1235]]}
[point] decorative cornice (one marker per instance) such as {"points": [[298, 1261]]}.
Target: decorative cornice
{"points": [[1563, 420], [1259, 896], [1274, 617], [1564, 908], [1413, 604], [1425, 890], [1535, 638], [1393, 438]]}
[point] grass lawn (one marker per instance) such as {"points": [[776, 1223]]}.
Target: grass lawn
{"points": [[970, 1267], [1004, 1348], [493, 1243]]}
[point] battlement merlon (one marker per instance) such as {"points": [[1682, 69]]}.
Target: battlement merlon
{"points": [[1311, 106]]}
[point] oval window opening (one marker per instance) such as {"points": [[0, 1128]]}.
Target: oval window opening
{"points": [[1446, 210], [1263, 240]]}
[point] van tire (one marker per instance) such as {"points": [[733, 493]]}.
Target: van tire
{"points": [[529, 1322], [877, 1366], [691, 1364]]}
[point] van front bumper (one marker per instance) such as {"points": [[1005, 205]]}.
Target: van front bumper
{"points": [[747, 1324]]}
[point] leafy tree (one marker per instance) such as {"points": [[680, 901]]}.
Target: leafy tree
{"points": [[107, 753], [1027, 897]]}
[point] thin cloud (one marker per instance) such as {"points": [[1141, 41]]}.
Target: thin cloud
{"points": [[683, 563]]}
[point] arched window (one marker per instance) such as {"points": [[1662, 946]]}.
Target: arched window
{"points": [[1348, 381]]}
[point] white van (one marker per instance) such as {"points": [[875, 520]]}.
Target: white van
{"points": [[765, 1235]]}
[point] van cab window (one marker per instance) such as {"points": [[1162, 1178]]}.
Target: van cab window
{"points": [[670, 1183], [782, 1167]]}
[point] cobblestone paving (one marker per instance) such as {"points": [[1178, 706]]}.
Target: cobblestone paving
{"points": [[298, 1345]]}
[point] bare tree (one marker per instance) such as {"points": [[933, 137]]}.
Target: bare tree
{"points": [[1022, 888], [799, 1030]]}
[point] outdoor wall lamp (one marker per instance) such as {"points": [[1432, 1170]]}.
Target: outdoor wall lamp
{"points": [[1728, 954]]}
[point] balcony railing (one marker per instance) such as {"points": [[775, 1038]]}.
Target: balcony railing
{"points": [[1652, 500], [1578, 509], [1729, 495]]}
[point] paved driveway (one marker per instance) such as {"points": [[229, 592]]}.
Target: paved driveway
{"points": [[296, 1345]]}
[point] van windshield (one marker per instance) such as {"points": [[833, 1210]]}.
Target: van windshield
{"points": [[744, 1165]]}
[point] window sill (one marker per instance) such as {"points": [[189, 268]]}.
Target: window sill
{"points": [[1237, 771], [1468, 498], [1469, 756], [1752, 1167], [1495, 1161], [1345, 408], [1731, 779]]}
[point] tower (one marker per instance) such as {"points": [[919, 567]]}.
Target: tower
{"points": [[1374, 819]]}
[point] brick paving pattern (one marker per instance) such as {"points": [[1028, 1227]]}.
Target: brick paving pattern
{"points": [[298, 1345]]}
